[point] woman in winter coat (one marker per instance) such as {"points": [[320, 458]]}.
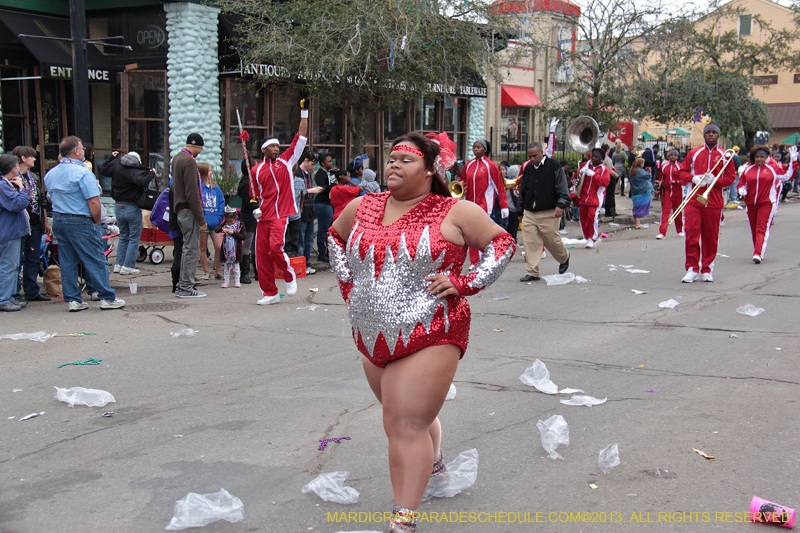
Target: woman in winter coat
{"points": [[129, 179], [13, 227]]}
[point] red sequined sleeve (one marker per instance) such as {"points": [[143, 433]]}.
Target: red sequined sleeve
{"points": [[339, 263], [493, 262]]}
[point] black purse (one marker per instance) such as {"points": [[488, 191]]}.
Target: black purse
{"points": [[147, 200]]}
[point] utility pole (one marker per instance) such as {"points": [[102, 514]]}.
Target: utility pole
{"points": [[80, 71]]}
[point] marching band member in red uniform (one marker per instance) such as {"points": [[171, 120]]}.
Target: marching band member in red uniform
{"points": [[275, 183], [398, 257], [760, 188], [482, 182], [671, 194], [702, 221], [595, 177]]}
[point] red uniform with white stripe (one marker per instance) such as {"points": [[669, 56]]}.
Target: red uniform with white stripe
{"points": [[593, 193], [482, 181], [702, 221], [672, 196], [275, 184], [762, 186]]}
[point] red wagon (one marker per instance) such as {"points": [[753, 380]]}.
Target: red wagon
{"points": [[152, 243]]}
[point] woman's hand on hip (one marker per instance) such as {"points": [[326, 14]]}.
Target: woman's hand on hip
{"points": [[441, 286]]}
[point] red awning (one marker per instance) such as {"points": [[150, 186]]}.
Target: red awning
{"points": [[516, 96]]}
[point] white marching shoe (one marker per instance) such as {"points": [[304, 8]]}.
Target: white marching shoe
{"points": [[589, 243], [269, 300], [690, 277], [291, 287], [706, 277], [757, 259], [660, 236]]}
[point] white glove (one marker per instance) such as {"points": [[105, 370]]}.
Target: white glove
{"points": [[702, 179], [707, 179], [793, 153], [553, 124], [586, 171], [504, 212], [742, 192]]}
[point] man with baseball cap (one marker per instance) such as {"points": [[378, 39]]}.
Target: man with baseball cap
{"points": [[275, 184], [188, 202], [701, 222]]}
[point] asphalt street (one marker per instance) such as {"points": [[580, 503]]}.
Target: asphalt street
{"points": [[243, 405]]}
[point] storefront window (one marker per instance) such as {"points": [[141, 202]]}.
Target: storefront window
{"points": [[286, 114], [426, 114], [328, 127], [513, 129], [395, 123], [146, 95], [146, 125], [14, 118], [455, 120]]}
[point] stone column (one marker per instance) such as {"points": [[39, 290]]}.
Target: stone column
{"points": [[193, 78], [476, 123]]}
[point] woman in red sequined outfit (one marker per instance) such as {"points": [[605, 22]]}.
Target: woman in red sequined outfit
{"points": [[398, 257]]}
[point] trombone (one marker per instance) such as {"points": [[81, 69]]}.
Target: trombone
{"points": [[703, 198]]}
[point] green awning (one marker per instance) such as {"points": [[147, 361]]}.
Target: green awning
{"points": [[794, 139], [646, 137], [677, 131]]}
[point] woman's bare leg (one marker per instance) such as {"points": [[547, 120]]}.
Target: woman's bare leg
{"points": [[203, 248], [412, 391], [216, 238]]}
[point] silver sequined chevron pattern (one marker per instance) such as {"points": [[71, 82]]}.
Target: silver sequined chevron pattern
{"points": [[489, 269], [395, 302]]}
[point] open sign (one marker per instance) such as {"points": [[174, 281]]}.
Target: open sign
{"points": [[151, 37]]}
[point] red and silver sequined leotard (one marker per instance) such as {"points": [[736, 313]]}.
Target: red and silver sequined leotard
{"points": [[384, 269]]}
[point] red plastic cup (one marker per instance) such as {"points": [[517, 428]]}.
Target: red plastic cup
{"points": [[775, 513]]}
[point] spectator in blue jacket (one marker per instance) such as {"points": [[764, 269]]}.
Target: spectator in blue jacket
{"points": [[13, 227], [214, 211]]}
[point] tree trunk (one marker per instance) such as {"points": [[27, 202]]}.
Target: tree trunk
{"points": [[749, 140]]}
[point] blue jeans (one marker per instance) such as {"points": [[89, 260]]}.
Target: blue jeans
{"points": [[31, 253], [9, 268], [129, 220], [324, 221], [80, 241], [306, 240]]}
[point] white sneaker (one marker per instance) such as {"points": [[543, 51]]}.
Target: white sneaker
{"points": [[690, 277], [310, 271], [757, 259], [94, 296], [681, 234], [660, 236], [116, 303], [269, 300], [116, 269], [589, 243], [562, 232], [291, 287], [77, 306], [706, 277], [125, 271]]}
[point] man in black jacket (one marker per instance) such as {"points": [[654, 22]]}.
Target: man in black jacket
{"points": [[544, 195]]}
